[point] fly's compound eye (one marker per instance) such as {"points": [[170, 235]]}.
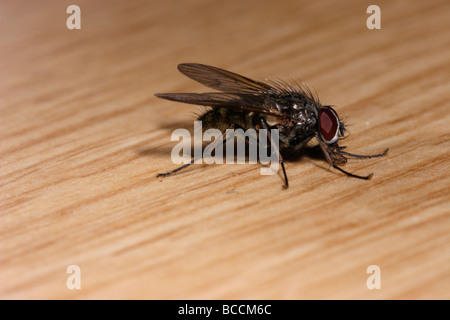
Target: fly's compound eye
{"points": [[329, 125]]}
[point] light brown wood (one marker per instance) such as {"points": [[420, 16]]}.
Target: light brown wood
{"points": [[83, 137]]}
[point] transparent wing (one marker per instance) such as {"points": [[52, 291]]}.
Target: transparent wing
{"points": [[238, 92], [234, 101], [222, 80]]}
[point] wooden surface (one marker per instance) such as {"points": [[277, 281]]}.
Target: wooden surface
{"points": [[83, 137]]}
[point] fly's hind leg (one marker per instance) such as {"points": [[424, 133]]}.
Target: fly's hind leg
{"points": [[216, 142], [165, 174]]}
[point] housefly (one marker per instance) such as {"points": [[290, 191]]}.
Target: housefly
{"points": [[287, 106]]}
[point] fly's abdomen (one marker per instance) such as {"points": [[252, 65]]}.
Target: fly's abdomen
{"points": [[222, 119]]}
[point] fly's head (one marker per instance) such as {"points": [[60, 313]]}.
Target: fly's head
{"points": [[329, 130]]}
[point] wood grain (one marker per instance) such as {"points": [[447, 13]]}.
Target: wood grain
{"points": [[82, 138]]}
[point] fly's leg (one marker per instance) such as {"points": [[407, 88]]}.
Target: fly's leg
{"points": [[352, 174], [216, 142], [264, 125], [331, 161], [177, 169], [365, 156]]}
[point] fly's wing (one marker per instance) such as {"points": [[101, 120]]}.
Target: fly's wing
{"points": [[222, 80], [238, 92], [233, 101]]}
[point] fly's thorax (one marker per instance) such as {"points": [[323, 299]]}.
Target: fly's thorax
{"points": [[302, 118], [295, 136], [305, 117], [300, 124], [299, 107]]}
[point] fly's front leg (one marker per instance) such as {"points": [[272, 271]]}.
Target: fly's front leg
{"points": [[330, 155]]}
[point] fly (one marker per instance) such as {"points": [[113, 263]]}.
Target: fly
{"points": [[289, 107]]}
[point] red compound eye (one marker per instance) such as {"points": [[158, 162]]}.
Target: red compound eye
{"points": [[329, 124]]}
